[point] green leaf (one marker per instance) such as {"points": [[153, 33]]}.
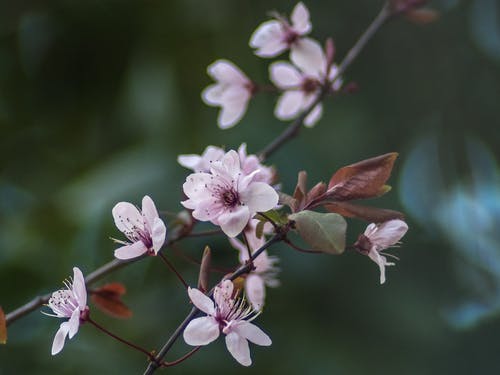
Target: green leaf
{"points": [[322, 231]]}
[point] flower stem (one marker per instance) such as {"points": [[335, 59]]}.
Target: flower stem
{"points": [[150, 356]]}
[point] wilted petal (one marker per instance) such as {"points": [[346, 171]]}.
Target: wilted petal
{"points": [[126, 215], [238, 347], [201, 301], [226, 72], [300, 19], [252, 333], [260, 197], [201, 331], [381, 262], [79, 287], [289, 105], [233, 223], [158, 234], [59, 338], [308, 56], [131, 251], [255, 290], [313, 117], [284, 75]]}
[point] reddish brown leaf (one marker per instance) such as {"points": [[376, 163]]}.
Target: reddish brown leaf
{"points": [[318, 190], [422, 16], [288, 200], [370, 214], [3, 328], [108, 299], [365, 179], [204, 275]]}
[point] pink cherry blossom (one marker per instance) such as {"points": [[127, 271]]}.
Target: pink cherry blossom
{"points": [[378, 237], [265, 270], [249, 162], [302, 83], [69, 303], [273, 37], [145, 230], [227, 196], [231, 92], [226, 314]]}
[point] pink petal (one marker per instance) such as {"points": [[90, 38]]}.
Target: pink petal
{"points": [[74, 323], [59, 338], [79, 287], [234, 104], [252, 333], [223, 293], [268, 38], [313, 117], [231, 163], [201, 331], [300, 19], [289, 105], [259, 197], [225, 71], [388, 233], [308, 56], [190, 161], [233, 223], [238, 347], [212, 95], [285, 75], [381, 262], [194, 187], [131, 251], [126, 215], [255, 290], [158, 234], [149, 211], [207, 209], [201, 301]]}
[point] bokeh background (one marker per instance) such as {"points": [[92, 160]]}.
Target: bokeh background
{"points": [[97, 99]]}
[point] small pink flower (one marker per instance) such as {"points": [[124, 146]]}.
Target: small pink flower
{"points": [[302, 83], [227, 196], [145, 230], [231, 92], [265, 270], [273, 37], [228, 315], [201, 163], [378, 237], [69, 303]]}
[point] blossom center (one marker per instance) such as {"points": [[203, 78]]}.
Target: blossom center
{"points": [[309, 85], [230, 198]]}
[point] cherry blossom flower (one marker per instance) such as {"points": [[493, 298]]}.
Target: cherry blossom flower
{"points": [[232, 91], [273, 37], [302, 83], [228, 315], [227, 196], [145, 230], [265, 270], [378, 237], [69, 303]]}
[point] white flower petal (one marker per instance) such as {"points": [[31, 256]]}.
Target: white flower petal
{"points": [[194, 187], [131, 251], [201, 301], [309, 57], [78, 287], [300, 19], [381, 262], [252, 333], [212, 95], [190, 161], [59, 338], [74, 323], [238, 347], [259, 197], [285, 75], [201, 331], [234, 104], [126, 215], [313, 117], [387, 233], [268, 38], [149, 211], [223, 293], [255, 290], [289, 105], [233, 223], [226, 72], [158, 234]]}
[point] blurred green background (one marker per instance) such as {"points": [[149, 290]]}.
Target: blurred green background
{"points": [[97, 99]]}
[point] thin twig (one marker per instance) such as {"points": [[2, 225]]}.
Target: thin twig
{"points": [[172, 268]]}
